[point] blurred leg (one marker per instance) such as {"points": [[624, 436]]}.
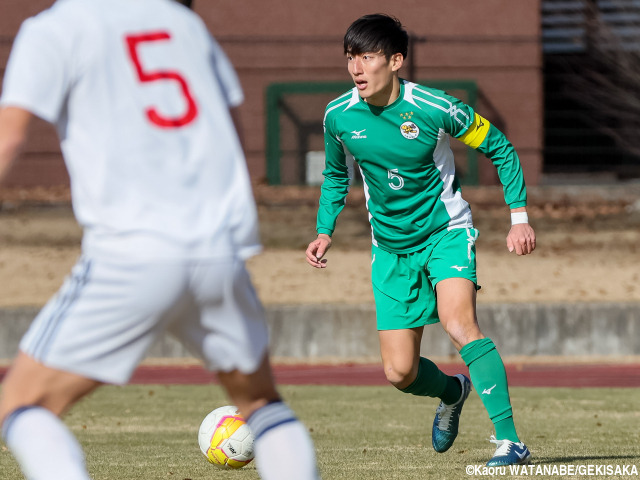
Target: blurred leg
{"points": [[283, 447], [33, 396], [250, 392]]}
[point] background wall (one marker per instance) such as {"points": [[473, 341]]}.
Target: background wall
{"points": [[495, 43]]}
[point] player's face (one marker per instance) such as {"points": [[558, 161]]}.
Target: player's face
{"points": [[375, 76]]}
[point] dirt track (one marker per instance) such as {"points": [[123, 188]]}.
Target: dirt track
{"points": [[588, 249]]}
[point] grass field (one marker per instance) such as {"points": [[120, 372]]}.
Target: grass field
{"points": [[361, 433]]}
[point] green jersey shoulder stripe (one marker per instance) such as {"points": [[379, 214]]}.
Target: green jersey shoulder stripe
{"points": [[340, 101], [413, 93]]}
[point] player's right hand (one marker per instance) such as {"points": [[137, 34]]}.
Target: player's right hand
{"points": [[317, 249]]}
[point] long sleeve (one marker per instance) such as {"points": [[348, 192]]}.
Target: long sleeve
{"points": [[490, 141], [336, 183]]}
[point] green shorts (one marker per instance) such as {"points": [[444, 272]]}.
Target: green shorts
{"points": [[404, 284]]}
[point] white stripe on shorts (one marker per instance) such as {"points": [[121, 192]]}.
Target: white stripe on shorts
{"points": [[63, 302]]}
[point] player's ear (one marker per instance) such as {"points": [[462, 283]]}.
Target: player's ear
{"points": [[396, 62]]}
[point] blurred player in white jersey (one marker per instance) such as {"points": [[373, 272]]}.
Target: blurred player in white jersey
{"points": [[143, 101]]}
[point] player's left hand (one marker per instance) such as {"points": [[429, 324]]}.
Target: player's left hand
{"points": [[521, 239]]}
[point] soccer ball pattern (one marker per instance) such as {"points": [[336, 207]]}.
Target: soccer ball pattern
{"points": [[225, 438]]}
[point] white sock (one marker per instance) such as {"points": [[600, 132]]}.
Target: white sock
{"points": [[283, 447], [43, 445]]}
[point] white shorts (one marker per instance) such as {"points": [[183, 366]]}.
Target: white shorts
{"points": [[107, 314]]}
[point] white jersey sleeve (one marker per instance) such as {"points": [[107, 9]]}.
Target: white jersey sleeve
{"points": [[140, 94], [39, 55], [226, 75]]}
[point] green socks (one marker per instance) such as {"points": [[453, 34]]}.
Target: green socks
{"points": [[489, 378], [431, 382]]}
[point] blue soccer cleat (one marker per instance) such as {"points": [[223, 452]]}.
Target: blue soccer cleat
{"points": [[445, 425], [509, 453]]}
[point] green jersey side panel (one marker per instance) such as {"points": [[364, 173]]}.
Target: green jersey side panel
{"points": [[407, 165]]}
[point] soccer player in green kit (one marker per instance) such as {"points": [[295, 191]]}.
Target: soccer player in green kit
{"points": [[423, 265]]}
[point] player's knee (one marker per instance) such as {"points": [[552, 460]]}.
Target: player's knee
{"points": [[398, 375]]}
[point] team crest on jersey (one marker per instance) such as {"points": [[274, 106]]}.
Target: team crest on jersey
{"points": [[409, 130]]}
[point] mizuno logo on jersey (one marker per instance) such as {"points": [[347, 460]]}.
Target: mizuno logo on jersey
{"points": [[358, 134], [458, 268]]}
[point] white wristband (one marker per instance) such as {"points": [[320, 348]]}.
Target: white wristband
{"points": [[519, 217]]}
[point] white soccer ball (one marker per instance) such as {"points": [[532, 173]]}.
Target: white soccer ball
{"points": [[225, 438]]}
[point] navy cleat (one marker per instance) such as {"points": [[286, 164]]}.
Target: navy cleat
{"points": [[445, 425], [509, 453]]}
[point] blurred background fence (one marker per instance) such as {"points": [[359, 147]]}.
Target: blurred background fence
{"points": [[560, 77], [591, 88]]}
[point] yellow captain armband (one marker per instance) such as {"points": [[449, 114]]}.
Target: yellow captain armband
{"points": [[477, 132]]}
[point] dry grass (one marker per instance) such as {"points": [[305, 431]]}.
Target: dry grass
{"points": [[360, 433]]}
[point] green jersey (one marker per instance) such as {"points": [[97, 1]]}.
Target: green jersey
{"points": [[407, 165]]}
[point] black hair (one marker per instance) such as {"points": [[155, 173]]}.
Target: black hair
{"points": [[376, 33], [186, 3]]}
